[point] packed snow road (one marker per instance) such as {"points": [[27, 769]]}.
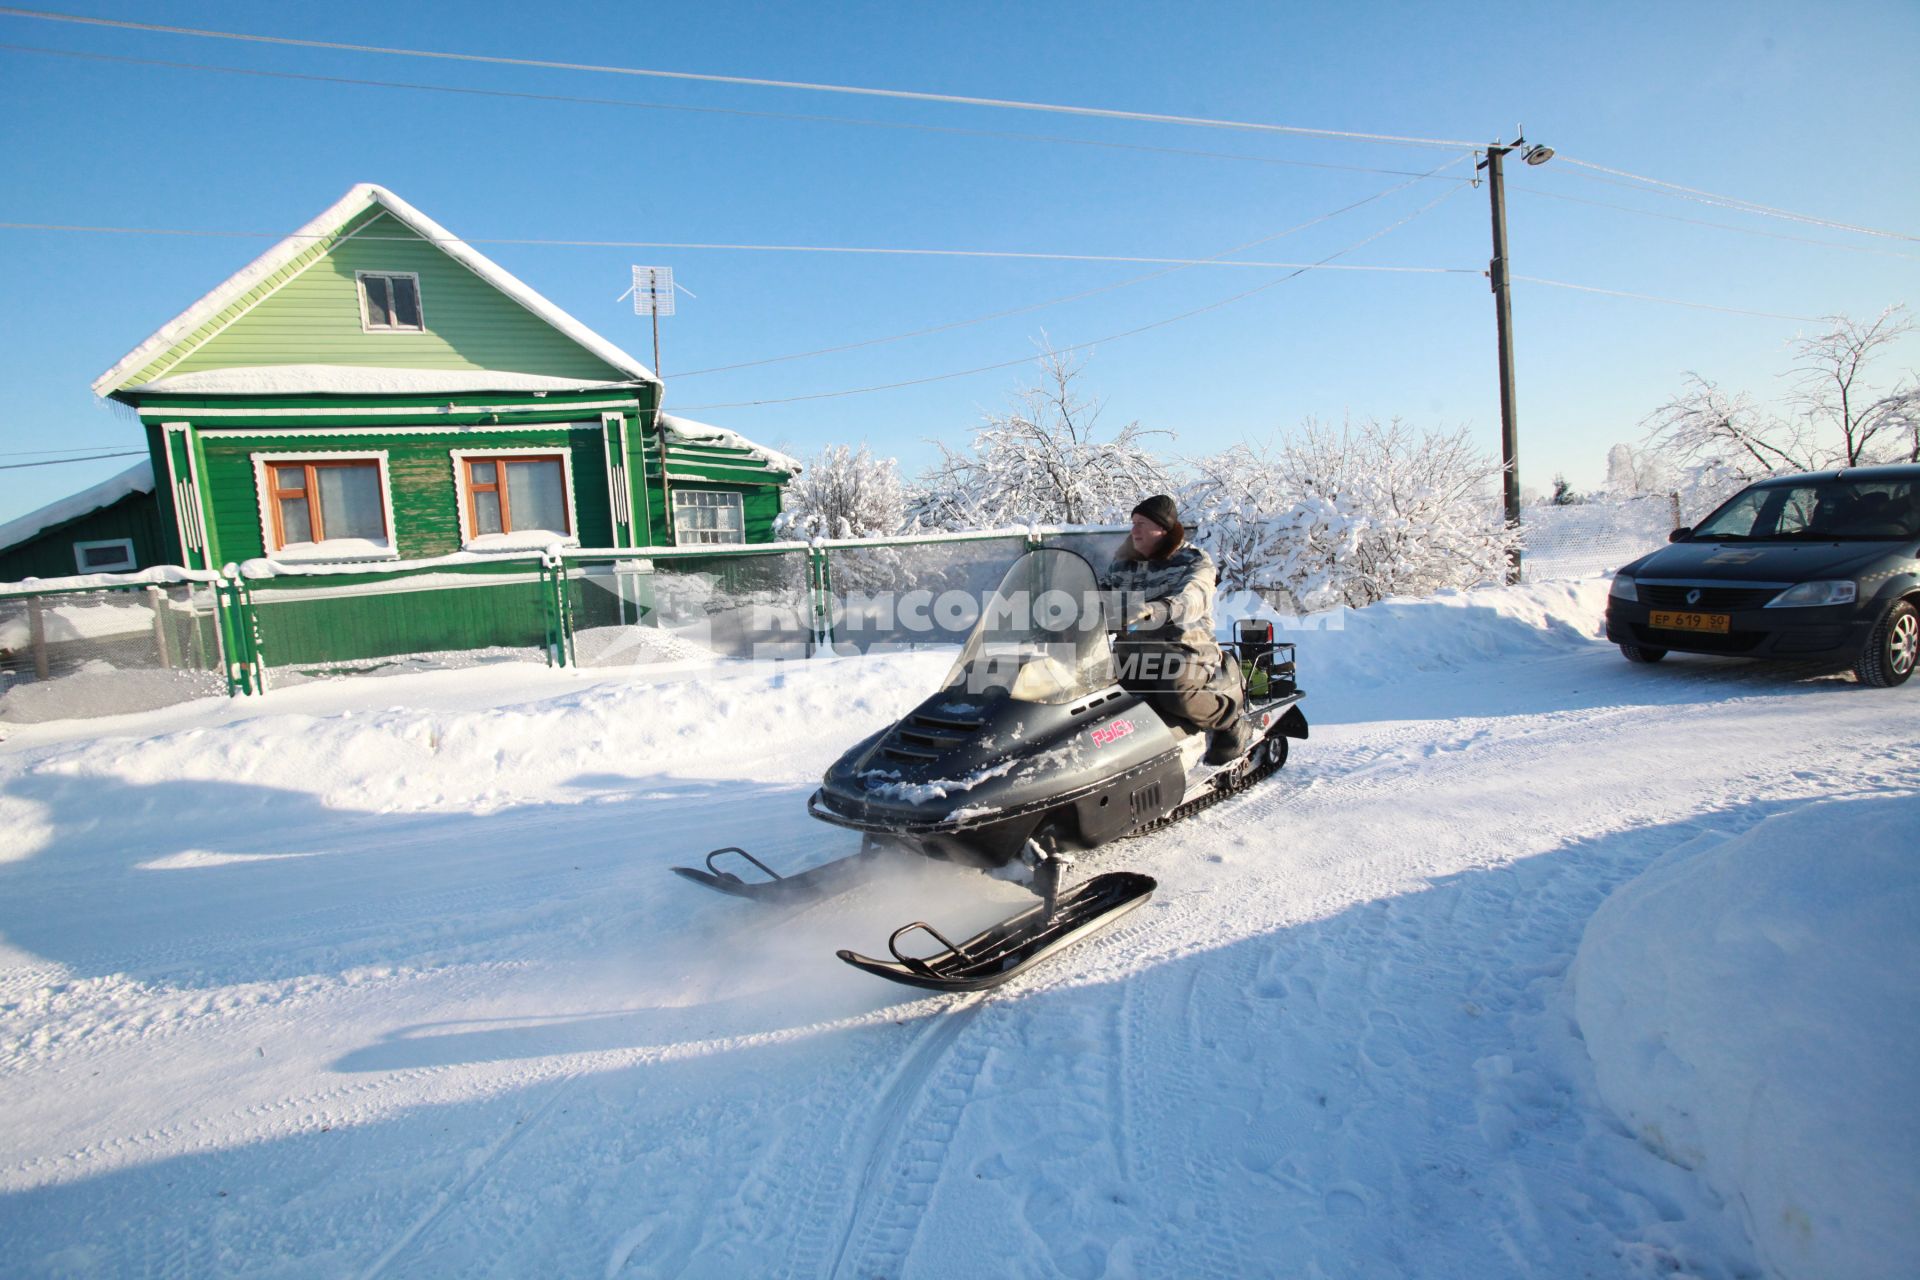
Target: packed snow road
{"points": [[291, 989]]}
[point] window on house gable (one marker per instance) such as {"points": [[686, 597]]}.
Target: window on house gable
{"points": [[390, 302], [708, 515], [517, 494], [326, 501]]}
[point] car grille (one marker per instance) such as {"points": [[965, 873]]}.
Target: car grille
{"points": [[1712, 599]]}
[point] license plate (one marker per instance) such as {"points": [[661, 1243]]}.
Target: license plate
{"points": [[1715, 622]]}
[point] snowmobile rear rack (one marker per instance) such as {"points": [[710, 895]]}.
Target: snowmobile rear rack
{"points": [[1008, 949]]}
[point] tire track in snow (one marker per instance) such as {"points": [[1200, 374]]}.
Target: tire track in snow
{"points": [[884, 1146]]}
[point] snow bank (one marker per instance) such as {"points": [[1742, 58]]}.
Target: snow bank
{"points": [[1751, 1013], [1452, 631]]}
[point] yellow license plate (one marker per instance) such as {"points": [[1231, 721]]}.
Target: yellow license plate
{"points": [[1715, 622]]}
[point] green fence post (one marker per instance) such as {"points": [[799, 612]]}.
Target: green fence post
{"points": [[239, 633], [822, 592]]}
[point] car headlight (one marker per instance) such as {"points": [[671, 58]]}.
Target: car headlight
{"points": [[1815, 593], [1623, 588]]}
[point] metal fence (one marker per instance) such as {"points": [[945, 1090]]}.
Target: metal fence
{"points": [[132, 644], [1583, 539], [108, 650]]}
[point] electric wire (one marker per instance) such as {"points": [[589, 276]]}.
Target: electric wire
{"points": [[1734, 202], [41, 453], [1011, 104], [1094, 342], [873, 250], [1722, 226], [756, 82], [1072, 297], [22, 466], [1672, 302], [573, 99]]}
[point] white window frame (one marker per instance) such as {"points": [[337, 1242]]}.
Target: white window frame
{"points": [[124, 564], [303, 552], [680, 537], [525, 539], [419, 301]]}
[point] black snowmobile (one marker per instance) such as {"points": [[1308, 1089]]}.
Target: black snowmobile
{"points": [[1030, 750]]}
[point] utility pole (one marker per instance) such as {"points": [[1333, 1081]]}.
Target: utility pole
{"points": [[1503, 328]]}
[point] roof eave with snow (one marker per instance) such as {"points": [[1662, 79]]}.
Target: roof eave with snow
{"points": [[137, 478]]}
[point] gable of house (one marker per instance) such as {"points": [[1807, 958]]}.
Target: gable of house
{"points": [[314, 317], [298, 309]]}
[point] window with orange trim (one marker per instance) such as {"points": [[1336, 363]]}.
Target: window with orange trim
{"points": [[325, 500], [517, 493]]}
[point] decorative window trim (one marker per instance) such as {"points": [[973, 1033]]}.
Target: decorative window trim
{"points": [[526, 538], [679, 536], [312, 551], [122, 565], [419, 301]]}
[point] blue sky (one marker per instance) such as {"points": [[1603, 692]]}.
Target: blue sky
{"points": [[1801, 107]]}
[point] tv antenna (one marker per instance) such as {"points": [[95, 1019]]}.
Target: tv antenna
{"points": [[653, 295]]}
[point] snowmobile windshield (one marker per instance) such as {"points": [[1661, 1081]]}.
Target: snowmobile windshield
{"points": [[1042, 634]]}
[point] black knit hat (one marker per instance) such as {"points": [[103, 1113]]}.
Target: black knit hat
{"points": [[1159, 509]]}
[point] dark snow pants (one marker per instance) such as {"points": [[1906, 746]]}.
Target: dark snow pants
{"points": [[1179, 683]]}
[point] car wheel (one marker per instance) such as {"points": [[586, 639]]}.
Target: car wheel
{"points": [[1640, 653], [1276, 753], [1890, 653]]}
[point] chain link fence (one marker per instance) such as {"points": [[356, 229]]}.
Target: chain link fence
{"points": [[70, 654], [1588, 538]]}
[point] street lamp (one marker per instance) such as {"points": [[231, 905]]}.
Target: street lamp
{"points": [[1503, 324]]}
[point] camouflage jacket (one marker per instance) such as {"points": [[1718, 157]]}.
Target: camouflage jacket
{"points": [[1168, 600]]}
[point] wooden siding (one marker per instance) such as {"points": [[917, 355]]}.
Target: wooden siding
{"points": [[345, 626], [420, 469], [313, 317], [49, 553]]}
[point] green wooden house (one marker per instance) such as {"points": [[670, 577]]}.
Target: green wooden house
{"points": [[110, 527], [372, 389]]}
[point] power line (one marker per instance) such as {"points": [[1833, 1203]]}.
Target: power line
{"points": [[21, 466], [877, 250], [41, 453], [1734, 202], [718, 111], [1672, 302], [1113, 337], [1723, 226], [1072, 297], [904, 95]]}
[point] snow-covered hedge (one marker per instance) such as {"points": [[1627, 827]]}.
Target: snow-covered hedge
{"points": [[1752, 1013]]}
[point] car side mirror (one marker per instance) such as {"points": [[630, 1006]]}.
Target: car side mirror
{"points": [[1680, 534]]}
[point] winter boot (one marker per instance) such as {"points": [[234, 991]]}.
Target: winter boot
{"points": [[1228, 744]]}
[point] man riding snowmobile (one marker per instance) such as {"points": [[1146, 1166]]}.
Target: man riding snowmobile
{"points": [[1164, 588]]}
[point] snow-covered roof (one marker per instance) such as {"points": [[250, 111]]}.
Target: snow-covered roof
{"points": [[687, 431], [357, 200], [135, 479], [340, 379]]}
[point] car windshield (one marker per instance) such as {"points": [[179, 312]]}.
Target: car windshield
{"points": [[1042, 635], [1839, 510]]}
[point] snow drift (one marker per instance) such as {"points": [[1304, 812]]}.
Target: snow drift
{"points": [[1751, 1014]]}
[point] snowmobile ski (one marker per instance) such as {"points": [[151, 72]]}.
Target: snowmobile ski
{"points": [[802, 886], [1008, 949]]}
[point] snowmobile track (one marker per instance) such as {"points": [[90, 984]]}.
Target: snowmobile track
{"points": [[893, 1184]]}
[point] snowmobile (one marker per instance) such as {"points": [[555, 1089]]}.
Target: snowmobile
{"points": [[1031, 752]]}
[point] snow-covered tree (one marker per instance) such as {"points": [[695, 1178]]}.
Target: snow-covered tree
{"points": [[1043, 461], [1635, 473], [845, 493], [1351, 515], [1834, 418]]}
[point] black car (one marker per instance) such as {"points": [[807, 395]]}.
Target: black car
{"points": [[1818, 567]]}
